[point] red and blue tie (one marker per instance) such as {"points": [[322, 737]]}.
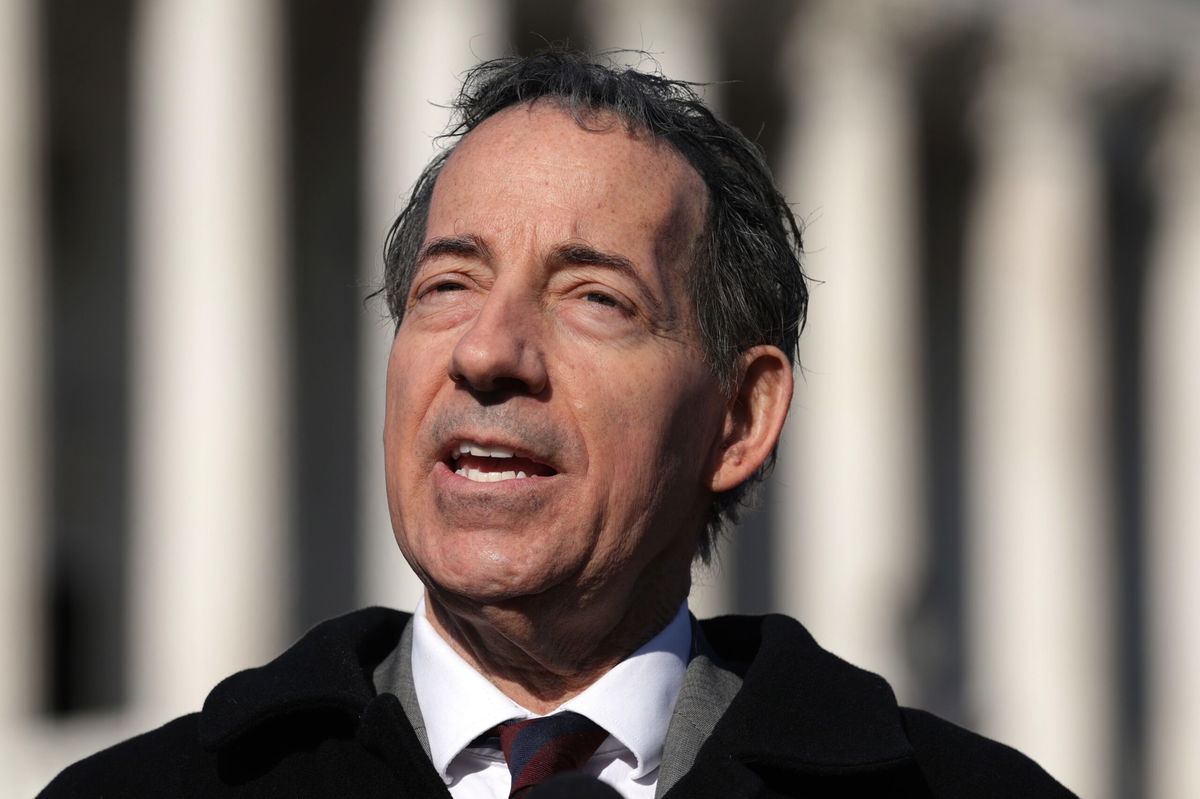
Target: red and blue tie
{"points": [[537, 749]]}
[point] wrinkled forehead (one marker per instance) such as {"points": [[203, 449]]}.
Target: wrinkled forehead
{"points": [[621, 176]]}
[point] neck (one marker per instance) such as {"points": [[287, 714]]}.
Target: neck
{"points": [[542, 659]]}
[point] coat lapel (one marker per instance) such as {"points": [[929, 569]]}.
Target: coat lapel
{"points": [[803, 717]]}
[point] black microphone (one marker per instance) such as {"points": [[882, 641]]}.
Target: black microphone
{"points": [[573, 784]]}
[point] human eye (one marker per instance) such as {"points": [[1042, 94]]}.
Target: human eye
{"points": [[605, 302], [602, 298], [595, 302], [437, 286], [440, 292]]}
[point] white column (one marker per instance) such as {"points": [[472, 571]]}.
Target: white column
{"points": [[417, 55], [848, 483], [1038, 567], [210, 409], [679, 34], [1173, 463], [21, 341], [680, 37]]}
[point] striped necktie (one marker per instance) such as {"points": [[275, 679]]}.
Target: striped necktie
{"points": [[537, 749]]}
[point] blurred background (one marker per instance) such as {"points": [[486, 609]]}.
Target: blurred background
{"points": [[989, 488]]}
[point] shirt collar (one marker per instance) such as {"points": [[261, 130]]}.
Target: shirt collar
{"points": [[457, 702], [633, 700]]}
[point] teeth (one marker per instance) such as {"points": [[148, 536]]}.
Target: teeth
{"points": [[480, 451], [478, 476]]}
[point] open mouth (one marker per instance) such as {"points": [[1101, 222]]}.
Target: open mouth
{"points": [[482, 463]]}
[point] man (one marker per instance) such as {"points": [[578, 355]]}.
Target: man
{"points": [[597, 294]]}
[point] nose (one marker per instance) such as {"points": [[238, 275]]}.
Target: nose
{"points": [[501, 350]]}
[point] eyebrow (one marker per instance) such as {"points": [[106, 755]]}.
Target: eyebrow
{"points": [[469, 246], [584, 255]]}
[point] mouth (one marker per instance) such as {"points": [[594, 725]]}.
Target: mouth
{"points": [[490, 463]]}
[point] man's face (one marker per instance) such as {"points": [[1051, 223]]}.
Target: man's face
{"points": [[551, 426]]}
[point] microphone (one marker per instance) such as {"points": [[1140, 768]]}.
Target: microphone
{"points": [[573, 784]]}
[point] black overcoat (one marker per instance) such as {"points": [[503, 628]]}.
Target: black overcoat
{"points": [[310, 724]]}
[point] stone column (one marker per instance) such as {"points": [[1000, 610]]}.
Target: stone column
{"points": [[21, 346], [1173, 464], [1037, 554], [418, 53], [210, 412], [678, 34], [848, 485]]}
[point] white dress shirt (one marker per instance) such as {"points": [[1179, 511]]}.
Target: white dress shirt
{"points": [[633, 702]]}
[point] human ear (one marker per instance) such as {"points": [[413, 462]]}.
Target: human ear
{"points": [[754, 415]]}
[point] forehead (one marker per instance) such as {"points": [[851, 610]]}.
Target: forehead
{"points": [[535, 171]]}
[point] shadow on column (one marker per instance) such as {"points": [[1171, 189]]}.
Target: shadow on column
{"points": [[85, 70], [1130, 121], [947, 80], [536, 24], [754, 99], [324, 69]]}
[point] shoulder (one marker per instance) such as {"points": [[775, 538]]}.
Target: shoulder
{"points": [[958, 762], [803, 706], [301, 708], [160, 763]]}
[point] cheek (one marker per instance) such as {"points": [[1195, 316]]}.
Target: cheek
{"points": [[651, 431], [416, 370], [411, 389], [622, 408]]}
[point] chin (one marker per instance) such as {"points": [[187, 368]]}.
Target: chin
{"points": [[483, 579]]}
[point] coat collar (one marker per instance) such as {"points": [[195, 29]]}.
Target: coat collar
{"points": [[329, 668], [799, 706]]}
